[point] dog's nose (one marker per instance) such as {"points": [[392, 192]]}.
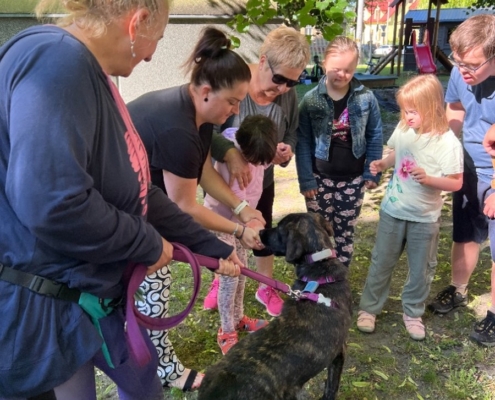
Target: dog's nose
{"points": [[263, 237]]}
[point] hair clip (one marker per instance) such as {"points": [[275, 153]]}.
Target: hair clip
{"points": [[223, 48]]}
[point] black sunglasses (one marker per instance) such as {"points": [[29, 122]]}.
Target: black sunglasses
{"points": [[278, 79]]}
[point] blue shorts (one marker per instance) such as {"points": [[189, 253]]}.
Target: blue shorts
{"points": [[470, 224]]}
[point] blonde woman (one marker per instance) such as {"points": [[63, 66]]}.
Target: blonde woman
{"points": [[284, 54], [69, 234]]}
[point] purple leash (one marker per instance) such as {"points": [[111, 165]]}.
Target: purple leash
{"points": [[135, 274]]}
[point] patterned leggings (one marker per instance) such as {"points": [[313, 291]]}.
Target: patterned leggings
{"points": [[340, 203], [231, 292], [156, 289]]}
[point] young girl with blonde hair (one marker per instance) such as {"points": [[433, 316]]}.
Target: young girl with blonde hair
{"points": [[428, 160]]}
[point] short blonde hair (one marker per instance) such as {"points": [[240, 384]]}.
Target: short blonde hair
{"points": [[286, 47], [95, 15], [474, 32], [342, 44], [424, 94]]}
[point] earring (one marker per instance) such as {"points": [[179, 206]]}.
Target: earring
{"points": [[132, 49], [206, 99]]}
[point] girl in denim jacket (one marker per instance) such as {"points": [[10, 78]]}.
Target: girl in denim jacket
{"points": [[339, 135]]}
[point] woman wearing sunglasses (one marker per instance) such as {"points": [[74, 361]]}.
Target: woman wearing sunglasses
{"points": [[284, 54]]}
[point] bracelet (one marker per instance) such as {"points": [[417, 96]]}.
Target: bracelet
{"points": [[235, 230], [242, 233], [240, 207]]}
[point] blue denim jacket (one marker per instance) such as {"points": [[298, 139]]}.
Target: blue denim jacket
{"points": [[313, 133]]}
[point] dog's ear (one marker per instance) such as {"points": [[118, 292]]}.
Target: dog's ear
{"points": [[294, 249], [325, 224]]}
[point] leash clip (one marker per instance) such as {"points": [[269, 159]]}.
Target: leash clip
{"points": [[294, 294]]}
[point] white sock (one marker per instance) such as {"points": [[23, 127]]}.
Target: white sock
{"points": [[460, 288]]}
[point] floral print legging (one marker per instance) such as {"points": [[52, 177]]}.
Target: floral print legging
{"points": [[340, 203]]}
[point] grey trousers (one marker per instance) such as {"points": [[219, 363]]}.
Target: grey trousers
{"points": [[420, 241]]}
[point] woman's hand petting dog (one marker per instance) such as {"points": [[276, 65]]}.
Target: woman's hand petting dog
{"points": [[250, 238]]}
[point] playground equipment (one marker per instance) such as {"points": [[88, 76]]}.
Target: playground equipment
{"points": [[422, 53], [375, 69]]}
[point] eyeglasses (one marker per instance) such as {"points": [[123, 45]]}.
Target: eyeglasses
{"points": [[278, 79], [466, 66]]}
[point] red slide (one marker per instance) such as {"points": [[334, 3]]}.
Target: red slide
{"points": [[424, 58]]}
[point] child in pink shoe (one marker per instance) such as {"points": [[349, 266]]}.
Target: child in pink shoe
{"points": [[256, 139], [427, 159]]}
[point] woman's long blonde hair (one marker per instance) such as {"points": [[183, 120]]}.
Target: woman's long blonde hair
{"points": [[424, 94], [95, 15]]}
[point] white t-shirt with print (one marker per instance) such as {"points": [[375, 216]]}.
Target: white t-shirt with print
{"points": [[438, 155]]}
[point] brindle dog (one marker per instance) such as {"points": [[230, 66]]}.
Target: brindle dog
{"points": [[276, 361]]}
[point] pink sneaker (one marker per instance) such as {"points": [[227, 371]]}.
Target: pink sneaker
{"points": [[210, 302], [270, 299]]}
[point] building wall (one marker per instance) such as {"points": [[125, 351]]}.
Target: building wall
{"points": [[164, 70]]}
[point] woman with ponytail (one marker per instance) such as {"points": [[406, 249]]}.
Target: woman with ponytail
{"points": [[176, 126]]}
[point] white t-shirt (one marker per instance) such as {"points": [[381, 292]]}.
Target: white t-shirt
{"points": [[438, 155]]}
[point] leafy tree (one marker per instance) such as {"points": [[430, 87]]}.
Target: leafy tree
{"points": [[328, 16]]}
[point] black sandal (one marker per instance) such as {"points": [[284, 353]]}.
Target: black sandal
{"points": [[188, 384]]}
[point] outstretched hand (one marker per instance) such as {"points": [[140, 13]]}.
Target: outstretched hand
{"points": [[251, 239], [377, 166], [489, 141]]}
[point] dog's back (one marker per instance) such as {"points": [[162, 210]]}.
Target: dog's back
{"points": [[276, 361]]}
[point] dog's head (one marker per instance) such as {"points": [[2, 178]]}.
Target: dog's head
{"points": [[297, 235]]}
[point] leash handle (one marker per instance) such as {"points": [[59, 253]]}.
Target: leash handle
{"points": [[134, 276]]}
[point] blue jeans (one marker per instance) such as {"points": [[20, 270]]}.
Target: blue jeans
{"points": [[391, 238]]}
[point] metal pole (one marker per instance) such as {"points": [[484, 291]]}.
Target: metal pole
{"points": [[359, 23]]}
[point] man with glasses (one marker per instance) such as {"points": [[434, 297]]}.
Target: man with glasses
{"points": [[470, 101]]}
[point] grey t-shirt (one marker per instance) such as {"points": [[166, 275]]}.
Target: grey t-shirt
{"points": [[283, 111]]}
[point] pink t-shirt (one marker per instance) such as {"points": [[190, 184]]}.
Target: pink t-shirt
{"points": [[251, 193]]}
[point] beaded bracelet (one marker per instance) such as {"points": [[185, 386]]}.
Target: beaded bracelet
{"points": [[242, 233]]}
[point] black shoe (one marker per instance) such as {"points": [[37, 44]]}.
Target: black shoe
{"points": [[484, 331], [447, 300]]}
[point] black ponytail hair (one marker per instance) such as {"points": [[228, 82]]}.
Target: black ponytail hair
{"points": [[212, 62]]}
